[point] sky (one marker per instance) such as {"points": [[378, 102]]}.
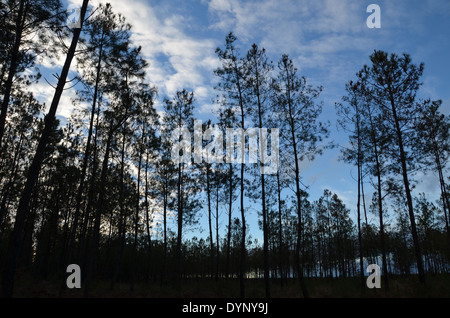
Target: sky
{"points": [[328, 40]]}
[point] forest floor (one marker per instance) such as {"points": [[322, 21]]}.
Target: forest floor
{"points": [[438, 286]]}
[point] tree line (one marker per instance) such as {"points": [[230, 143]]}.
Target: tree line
{"points": [[102, 191]]}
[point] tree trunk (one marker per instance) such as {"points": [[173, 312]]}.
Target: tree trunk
{"points": [[217, 231], [359, 164], [122, 219], [298, 257], [445, 200], [280, 229], [230, 209], [180, 224], [361, 259], [408, 195], [242, 261], [165, 197], [147, 216], [208, 194], [136, 221], [91, 194], [380, 205], [93, 249]]}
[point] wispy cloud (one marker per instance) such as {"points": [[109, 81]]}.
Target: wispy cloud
{"points": [[177, 59]]}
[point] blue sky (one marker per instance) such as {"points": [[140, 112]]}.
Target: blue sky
{"points": [[328, 40]]}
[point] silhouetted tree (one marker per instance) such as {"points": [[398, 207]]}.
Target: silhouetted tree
{"points": [[393, 82], [15, 242]]}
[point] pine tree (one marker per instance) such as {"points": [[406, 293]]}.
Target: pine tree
{"points": [[350, 118], [257, 80], [232, 84], [298, 111], [393, 82]]}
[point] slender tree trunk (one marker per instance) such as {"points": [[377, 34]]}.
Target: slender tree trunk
{"points": [[265, 233], [136, 221], [297, 191], [208, 194], [361, 259], [87, 152], [91, 193], [230, 209], [243, 256], [380, 205], [359, 164], [122, 219], [280, 228], [147, 215], [408, 195], [165, 194], [217, 231], [300, 220], [263, 190], [179, 223], [445, 199], [94, 247], [15, 242], [242, 263]]}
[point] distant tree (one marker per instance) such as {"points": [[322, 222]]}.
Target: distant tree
{"points": [[342, 233]]}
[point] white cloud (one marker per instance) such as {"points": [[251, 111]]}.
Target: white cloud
{"points": [[177, 59]]}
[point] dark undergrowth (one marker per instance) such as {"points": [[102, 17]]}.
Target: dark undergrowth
{"points": [[438, 286]]}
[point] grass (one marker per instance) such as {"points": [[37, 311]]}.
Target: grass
{"points": [[400, 287]]}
